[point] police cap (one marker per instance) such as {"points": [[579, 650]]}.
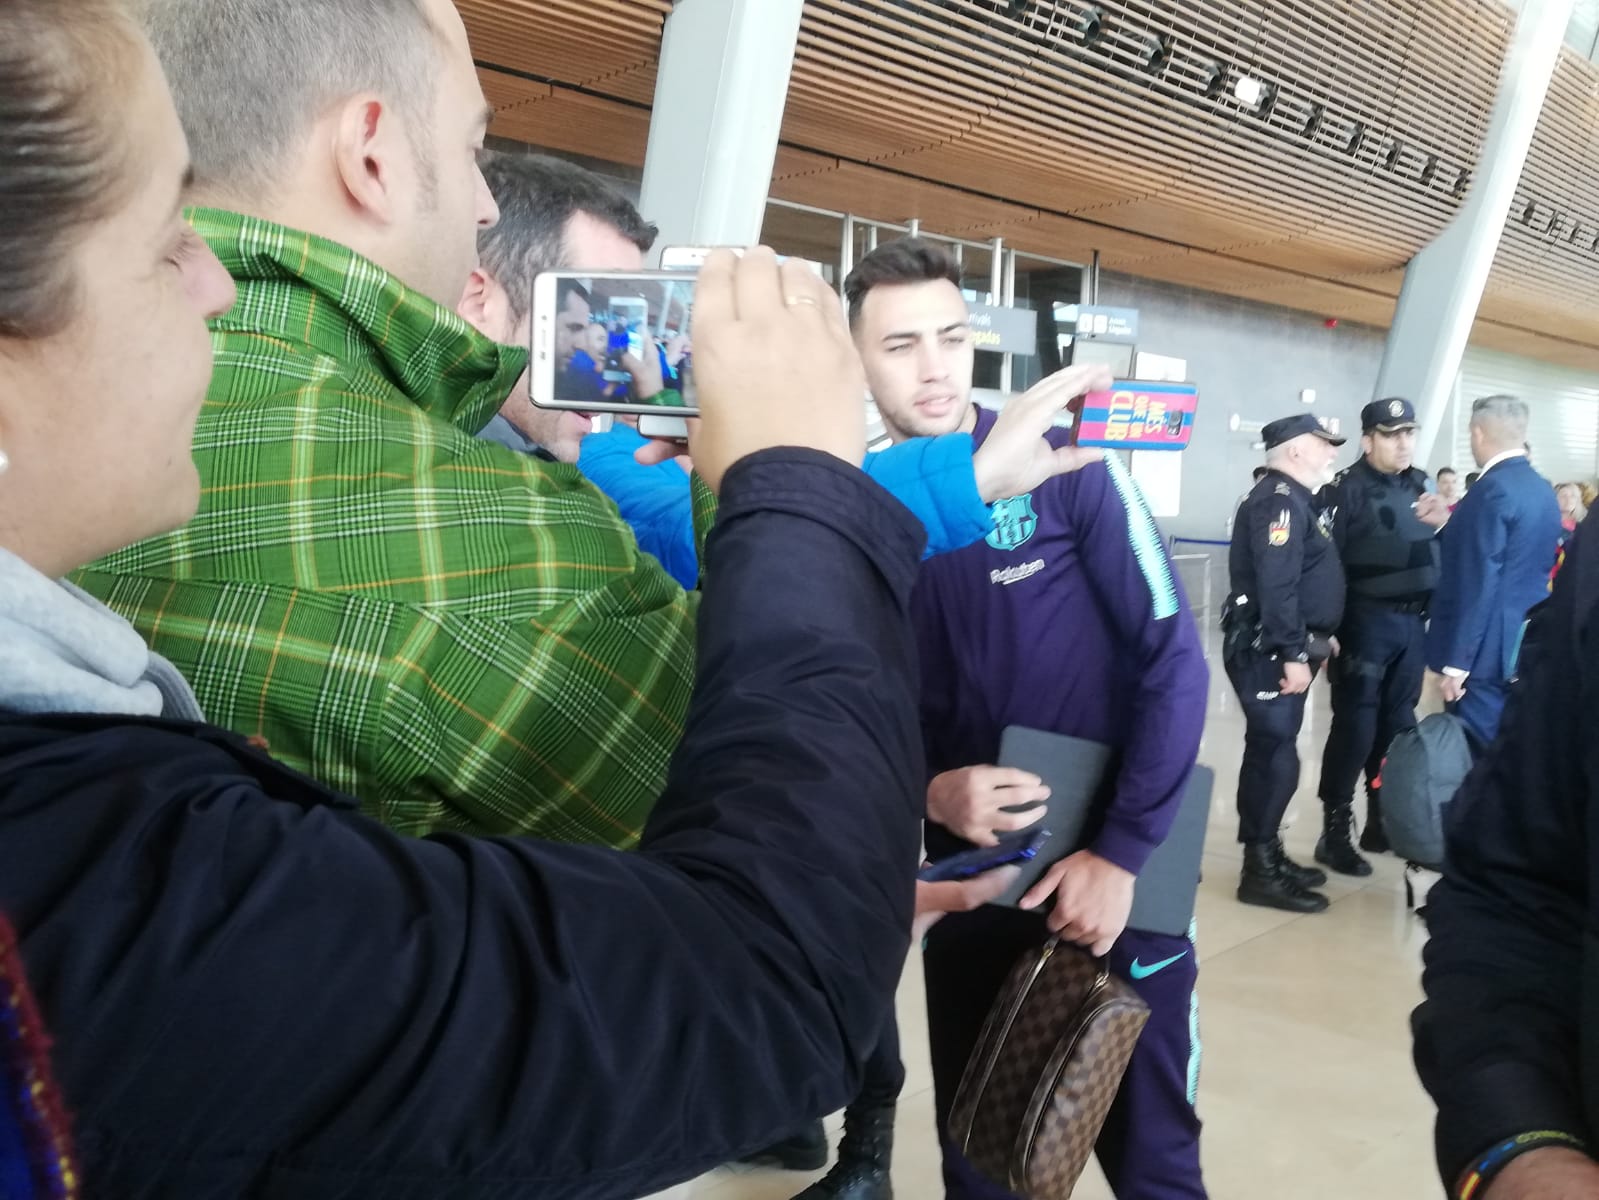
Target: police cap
{"points": [[1388, 416], [1287, 429]]}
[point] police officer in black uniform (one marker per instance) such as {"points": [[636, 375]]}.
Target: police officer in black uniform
{"points": [[1384, 522], [1287, 597]]}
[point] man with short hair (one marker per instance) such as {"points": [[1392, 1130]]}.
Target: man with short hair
{"points": [[557, 215], [554, 215], [1498, 552], [1385, 521], [1449, 486], [1286, 598], [465, 638], [1067, 619]]}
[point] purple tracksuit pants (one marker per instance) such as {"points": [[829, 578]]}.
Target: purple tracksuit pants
{"points": [[1149, 1148]]}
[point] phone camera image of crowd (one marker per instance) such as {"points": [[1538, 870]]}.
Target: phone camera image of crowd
{"points": [[797, 600]]}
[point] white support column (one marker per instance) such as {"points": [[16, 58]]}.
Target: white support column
{"points": [[1444, 283], [719, 99]]}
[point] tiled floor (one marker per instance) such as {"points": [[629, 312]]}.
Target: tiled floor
{"points": [[1307, 1090]]}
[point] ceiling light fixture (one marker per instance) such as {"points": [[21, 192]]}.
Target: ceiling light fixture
{"points": [[1157, 52], [1091, 25]]}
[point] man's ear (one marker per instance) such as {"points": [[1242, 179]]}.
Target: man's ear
{"points": [[486, 307], [371, 157]]}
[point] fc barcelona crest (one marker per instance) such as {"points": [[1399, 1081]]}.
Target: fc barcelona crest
{"points": [[1015, 522]]}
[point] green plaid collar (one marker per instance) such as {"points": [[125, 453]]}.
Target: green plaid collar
{"points": [[309, 291]]}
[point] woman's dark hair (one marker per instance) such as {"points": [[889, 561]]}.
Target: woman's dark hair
{"points": [[909, 260], [63, 65]]}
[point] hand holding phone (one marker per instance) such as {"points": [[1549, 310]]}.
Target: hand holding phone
{"points": [[775, 365], [1015, 458], [979, 861]]}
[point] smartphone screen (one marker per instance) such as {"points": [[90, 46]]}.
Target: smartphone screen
{"points": [[613, 342]]}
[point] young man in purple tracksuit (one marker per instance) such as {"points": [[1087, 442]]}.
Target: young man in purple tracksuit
{"points": [[1068, 619]]}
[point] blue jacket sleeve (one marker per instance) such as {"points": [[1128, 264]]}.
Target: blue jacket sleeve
{"points": [[1127, 568], [1469, 582], [656, 502], [933, 477]]}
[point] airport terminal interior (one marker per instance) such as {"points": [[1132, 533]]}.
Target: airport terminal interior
{"points": [[1277, 209], [1252, 186]]}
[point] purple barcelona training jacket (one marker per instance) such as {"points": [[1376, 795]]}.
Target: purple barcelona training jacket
{"points": [[1068, 618]]}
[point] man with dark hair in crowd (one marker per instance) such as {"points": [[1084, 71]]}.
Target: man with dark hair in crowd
{"points": [[554, 215], [1080, 554], [1449, 486]]}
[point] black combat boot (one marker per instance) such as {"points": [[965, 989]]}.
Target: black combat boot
{"points": [[804, 1150], [861, 1172], [1337, 848], [1374, 838], [1305, 877], [1264, 882]]}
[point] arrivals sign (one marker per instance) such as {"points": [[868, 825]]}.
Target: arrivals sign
{"points": [[1112, 324], [1004, 330]]}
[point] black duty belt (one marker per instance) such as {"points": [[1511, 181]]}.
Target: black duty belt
{"points": [[1409, 608]]}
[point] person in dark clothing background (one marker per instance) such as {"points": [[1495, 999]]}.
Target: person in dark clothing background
{"points": [[1507, 1040], [1286, 598], [1385, 519]]}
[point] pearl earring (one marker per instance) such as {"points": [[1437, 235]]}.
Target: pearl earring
{"points": [[4, 462]]}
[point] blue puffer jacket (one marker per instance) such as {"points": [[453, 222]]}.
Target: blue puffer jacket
{"points": [[932, 477]]}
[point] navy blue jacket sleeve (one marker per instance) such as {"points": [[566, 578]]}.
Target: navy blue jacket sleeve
{"points": [[1497, 1040], [1277, 527], [1125, 563], [1468, 589], [256, 991]]}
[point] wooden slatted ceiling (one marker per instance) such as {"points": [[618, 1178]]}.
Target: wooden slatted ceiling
{"points": [[610, 46], [1548, 263], [1047, 151], [1100, 135]]}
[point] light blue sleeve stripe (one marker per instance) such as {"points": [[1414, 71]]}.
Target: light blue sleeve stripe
{"points": [[1196, 1050], [1146, 541]]}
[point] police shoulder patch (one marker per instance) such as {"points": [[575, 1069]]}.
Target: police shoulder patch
{"points": [[1277, 535], [1284, 490]]}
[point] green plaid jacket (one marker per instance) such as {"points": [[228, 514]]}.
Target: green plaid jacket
{"points": [[463, 637]]}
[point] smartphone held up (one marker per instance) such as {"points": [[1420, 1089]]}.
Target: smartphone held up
{"points": [[619, 342], [613, 342]]}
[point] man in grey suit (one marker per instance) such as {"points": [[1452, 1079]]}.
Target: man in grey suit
{"points": [[1498, 550]]}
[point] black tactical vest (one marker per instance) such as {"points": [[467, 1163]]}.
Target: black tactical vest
{"points": [[1388, 552]]}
